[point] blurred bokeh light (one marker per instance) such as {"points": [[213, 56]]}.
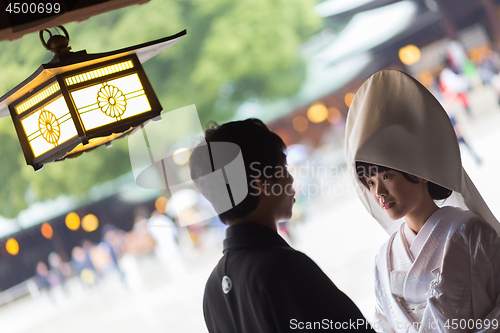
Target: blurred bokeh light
{"points": [[409, 54], [317, 113], [72, 221], [12, 246], [90, 223], [46, 230], [300, 123]]}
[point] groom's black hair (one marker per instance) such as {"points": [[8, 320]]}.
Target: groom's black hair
{"points": [[260, 148]]}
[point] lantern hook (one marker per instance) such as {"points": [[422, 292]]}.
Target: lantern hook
{"points": [[57, 44]]}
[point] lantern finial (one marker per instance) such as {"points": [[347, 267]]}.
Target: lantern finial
{"points": [[57, 44]]}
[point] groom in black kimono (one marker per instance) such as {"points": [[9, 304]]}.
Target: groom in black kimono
{"points": [[261, 284]]}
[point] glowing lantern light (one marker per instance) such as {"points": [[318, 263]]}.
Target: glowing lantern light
{"points": [[334, 115], [12, 246], [181, 156], [72, 221], [348, 99], [79, 101], [409, 54], [90, 223], [317, 113], [161, 204], [300, 123], [46, 230]]}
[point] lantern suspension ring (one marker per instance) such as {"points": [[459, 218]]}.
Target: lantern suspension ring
{"points": [[57, 44]]}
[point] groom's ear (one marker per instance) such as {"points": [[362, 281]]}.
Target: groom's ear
{"points": [[264, 185]]}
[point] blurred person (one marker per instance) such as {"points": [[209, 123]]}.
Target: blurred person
{"points": [[59, 269], [42, 276], [455, 55], [450, 111], [83, 267], [454, 87], [261, 284], [116, 237], [460, 63], [45, 280], [471, 74], [138, 245], [488, 64], [487, 68], [440, 266], [458, 133], [111, 241], [495, 83], [194, 231], [139, 241], [165, 233], [101, 258], [94, 258]]}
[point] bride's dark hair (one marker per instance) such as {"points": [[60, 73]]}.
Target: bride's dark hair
{"points": [[364, 170]]}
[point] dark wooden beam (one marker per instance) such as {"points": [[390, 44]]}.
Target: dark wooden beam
{"points": [[493, 22], [12, 28]]}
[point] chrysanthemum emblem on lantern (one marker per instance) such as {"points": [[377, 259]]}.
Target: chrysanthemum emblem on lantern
{"points": [[111, 101], [49, 127]]}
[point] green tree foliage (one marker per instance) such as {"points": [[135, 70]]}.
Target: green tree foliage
{"points": [[233, 51]]}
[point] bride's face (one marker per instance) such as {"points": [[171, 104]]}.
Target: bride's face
{"points": [[395, 194]]}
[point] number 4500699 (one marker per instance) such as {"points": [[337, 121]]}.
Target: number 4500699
{"points": [[471, 324], [33, 8]]}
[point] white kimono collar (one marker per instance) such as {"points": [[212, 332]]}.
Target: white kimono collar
{"points": [[416, 242]]}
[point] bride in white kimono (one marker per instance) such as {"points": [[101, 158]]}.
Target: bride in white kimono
{"points": [[440, 269]]}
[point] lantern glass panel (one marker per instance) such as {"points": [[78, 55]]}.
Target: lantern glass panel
{"points": [[49, 126], [110, 101]]}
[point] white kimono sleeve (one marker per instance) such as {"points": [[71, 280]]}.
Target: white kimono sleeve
{"points": [[380, 322], [466, 295]]}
